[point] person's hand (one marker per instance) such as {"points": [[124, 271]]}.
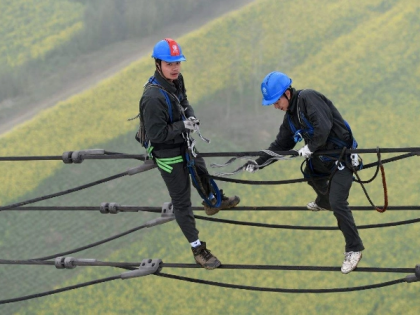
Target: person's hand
{"points": [[305, 152], [191, 125], [194, 120], [250, 166]]}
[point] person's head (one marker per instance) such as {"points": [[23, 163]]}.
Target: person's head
{"points": [[168, 56], [276, 89]]}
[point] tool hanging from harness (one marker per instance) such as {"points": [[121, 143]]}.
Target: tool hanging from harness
{"points": [[190, 153]]}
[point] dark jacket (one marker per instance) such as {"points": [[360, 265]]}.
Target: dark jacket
{"points": [[323, 116], [154, 112]]}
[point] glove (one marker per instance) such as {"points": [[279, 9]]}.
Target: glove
{"points": [[250, 166], [305, 152], [194, 120], [191, 125], [354, 159]]}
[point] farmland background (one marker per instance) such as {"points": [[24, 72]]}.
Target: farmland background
{"points": [[363, 56]]}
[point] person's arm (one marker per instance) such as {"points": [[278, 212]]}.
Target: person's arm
{"points": [[156, 118], [283, 142], [319, 115]]}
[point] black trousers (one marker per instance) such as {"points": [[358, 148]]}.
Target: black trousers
{"points": [[336, 199], [179, 188]]}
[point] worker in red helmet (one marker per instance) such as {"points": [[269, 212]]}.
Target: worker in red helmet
{"points": [[312, 117], [166, 121]]}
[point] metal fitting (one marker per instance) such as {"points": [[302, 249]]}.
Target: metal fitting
{"points": [[147, 267]]}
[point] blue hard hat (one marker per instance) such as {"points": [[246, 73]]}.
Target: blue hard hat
{"points": [[168, 50], [273, 86]]}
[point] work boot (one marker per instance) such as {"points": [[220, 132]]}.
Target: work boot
{"points": [[351, 259], [204, 257], [314, 207], [227, 203]]}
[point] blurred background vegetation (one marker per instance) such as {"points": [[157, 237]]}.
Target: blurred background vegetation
{"points": [[362, 55]]}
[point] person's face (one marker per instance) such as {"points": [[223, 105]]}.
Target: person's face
{"points": [[171, 70], [283, 102]]}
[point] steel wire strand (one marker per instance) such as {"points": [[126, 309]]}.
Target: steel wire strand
{"points": [[128, 266], [72, 287], [92, 244], [281, 290], [300, 227], [117, 155], [64, 192], [124, 209], [131, 265]]}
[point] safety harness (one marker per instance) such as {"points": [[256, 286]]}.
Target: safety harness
{"points": [[307, 133], [190, 153]]}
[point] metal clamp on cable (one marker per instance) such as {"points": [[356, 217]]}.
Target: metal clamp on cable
{"points": [[414, 277], [70, 262], [78, 156], [109, 207], [147, 165], [167, 215], [147, 267], [67, 157]]}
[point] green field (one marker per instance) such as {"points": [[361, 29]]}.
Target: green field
{"points": [[30, 29], [364, 56]]}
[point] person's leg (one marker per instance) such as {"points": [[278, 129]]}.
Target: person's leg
{"points": [[339, 193], [320, 186], [178, 184]]}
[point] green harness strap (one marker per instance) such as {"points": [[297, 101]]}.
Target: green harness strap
{"points": [[165, 163]]}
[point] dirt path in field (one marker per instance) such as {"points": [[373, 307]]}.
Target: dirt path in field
{"points": [[106, 63]]}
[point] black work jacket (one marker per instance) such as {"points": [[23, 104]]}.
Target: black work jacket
{"points": [[154, 111], [322, 115]]}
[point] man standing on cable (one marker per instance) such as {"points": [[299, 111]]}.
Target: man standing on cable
{"points": [[314, 118], [166, 121]]}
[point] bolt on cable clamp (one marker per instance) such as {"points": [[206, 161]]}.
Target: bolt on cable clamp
{"points": [[147, 267], [70, 262], [167, 215], [147, 165]]}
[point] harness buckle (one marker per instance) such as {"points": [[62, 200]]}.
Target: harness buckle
{"points": [[340, 166]]}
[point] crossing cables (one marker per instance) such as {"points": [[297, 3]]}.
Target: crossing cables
{"points": [[154, 266]]}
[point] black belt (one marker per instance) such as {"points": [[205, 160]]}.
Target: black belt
{"points": [[166, 146]]}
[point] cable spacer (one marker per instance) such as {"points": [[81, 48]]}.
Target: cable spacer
{"points": [[147, 267], [167, 215], [167, 209], [417, 271], [147, 165], [67, 157]]}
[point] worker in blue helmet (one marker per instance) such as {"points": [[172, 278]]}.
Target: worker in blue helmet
{"points": [[166, 121], [313, 118]]}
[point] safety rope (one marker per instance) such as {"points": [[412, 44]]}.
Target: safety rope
{"points": [[383, 209]]}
